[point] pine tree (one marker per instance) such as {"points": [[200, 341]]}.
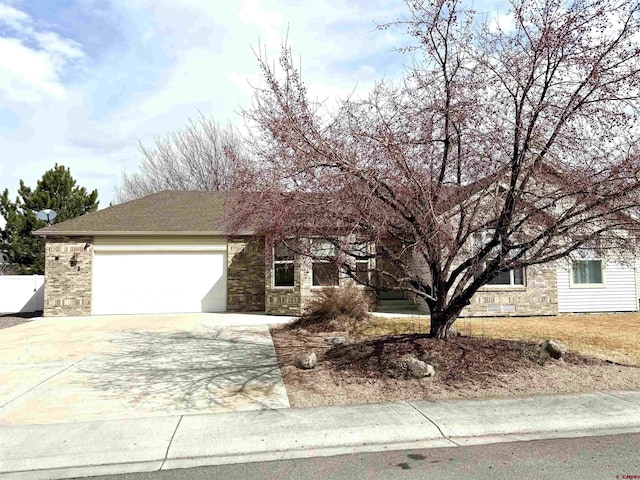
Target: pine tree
{"points": [[56, 190]]}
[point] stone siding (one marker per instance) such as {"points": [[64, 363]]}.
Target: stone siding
{"points": [[245, 275], [293, 300], [68, 270], [281, 300], [538, 297]]}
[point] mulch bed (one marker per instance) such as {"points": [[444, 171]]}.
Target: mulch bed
{"points": [[457, 360], [466, 367]]}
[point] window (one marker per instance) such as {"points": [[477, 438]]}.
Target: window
{"points": [[587, 272], [325, 269], [282, 265], [361, 264], [511, 277]]}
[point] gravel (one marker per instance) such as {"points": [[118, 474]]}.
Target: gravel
{"points": [[12, 319]]}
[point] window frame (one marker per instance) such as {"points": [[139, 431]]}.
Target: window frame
{"points": [[317, 261], [277, 262], [511, 284], [366, 271], [362, 248], [574, 284], [477, 240]]}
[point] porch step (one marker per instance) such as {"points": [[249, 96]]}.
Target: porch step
{"points": [[404, 311], [394, 302], [396, 306]]}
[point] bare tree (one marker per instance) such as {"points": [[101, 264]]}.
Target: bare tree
{"points": [[500, 148], [200, 156]]}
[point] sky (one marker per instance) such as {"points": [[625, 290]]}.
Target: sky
{"points": [[82, 82]]}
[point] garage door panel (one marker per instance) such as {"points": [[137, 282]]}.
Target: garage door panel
{"points": [[159, 282]]}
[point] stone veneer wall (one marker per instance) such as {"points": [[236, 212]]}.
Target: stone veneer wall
{"points": [[284, 300], [68, 270], [293, 300], [538, 297], [245, 275]]}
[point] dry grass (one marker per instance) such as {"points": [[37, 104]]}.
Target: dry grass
{"points": [[614, 337]]}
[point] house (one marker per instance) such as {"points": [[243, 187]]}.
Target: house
{"points": [[171, 252], [572, 285], [589, 283]]}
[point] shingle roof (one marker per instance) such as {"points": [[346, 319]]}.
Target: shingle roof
{"points": [[168, 212]]}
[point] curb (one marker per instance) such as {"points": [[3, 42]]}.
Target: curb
{"points": [[163, 443]]}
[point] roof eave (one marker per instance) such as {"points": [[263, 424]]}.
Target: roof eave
{"points": [[77, 233]]}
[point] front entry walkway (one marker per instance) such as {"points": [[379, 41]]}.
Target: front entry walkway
{"points": [[56, 370]]}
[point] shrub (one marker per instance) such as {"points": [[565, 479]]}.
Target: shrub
{"points": [[340, 308]]}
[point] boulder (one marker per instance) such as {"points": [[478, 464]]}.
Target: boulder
{"points": [[308, 360], [396, 369], [409, 366], [554, 348], [419, 369], [336, 341], [452, 332]]}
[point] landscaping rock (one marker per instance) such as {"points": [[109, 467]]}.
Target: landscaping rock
{"points": [[452, 332], [409, 366], [419, 369], [336, 341], [554, 348], [395, 369], [308, 360]]}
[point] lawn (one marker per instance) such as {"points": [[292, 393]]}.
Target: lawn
{"points": [[614, 337]]}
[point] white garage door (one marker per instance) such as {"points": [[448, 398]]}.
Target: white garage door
{"points": [[159, 282]]}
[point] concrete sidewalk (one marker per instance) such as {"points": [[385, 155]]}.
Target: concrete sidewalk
{"points": [[149, 444]]}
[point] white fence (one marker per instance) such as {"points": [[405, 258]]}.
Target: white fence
{"points": [[21, 293]]}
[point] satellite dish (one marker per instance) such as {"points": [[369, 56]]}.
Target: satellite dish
{"points": [[47, 215]]}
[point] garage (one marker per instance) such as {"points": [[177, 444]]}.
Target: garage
{"points": [[159, 276], [169, 252]]}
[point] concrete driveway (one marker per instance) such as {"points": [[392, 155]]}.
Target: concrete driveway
{"points": [[55, 370]]}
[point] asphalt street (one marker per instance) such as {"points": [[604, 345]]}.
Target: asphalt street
{"points": [[614, 457]]}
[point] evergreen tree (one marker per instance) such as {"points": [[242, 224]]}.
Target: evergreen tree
{"points": [[56, 190]]}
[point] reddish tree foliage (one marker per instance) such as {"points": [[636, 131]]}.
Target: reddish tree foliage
{"points": [[499, 149]]}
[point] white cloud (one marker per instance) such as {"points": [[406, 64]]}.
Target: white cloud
{"points": [[245, 82], [505, 23], [269, 37], [13, 17], [252, 13], [57, 46], [24, 66]]}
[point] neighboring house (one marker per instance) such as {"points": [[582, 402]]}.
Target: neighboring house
{"points": [[170, 252], [595, 284]]}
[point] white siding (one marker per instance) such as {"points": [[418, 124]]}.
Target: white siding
{"points": [[617, 295]]}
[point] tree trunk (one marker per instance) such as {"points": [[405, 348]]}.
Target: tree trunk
{"points": [[441, 322]]}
